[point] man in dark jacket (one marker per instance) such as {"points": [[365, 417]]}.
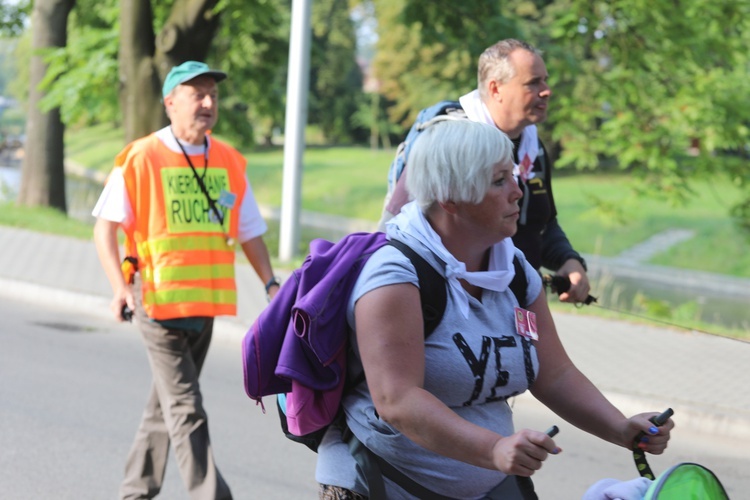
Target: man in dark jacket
{"points": [[513, 94]]}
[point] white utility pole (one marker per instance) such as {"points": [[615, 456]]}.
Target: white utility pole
{"points": [[294, 132]]}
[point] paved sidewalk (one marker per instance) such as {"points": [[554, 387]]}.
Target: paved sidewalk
{"points": [[640, 368]]}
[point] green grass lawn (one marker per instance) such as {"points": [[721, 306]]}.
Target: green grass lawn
{"points": [[45, 220], [347, 181], [627, 219], [94, 147]]}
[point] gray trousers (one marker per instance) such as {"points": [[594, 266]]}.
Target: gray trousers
{"points": [[174, 413]]}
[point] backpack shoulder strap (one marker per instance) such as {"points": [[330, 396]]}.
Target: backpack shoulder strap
{"points": [[432, 294], [432, 291], [519, 285], [542, 157]]}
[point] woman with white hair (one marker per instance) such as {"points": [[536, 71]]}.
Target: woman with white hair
{"points": [[436, 409]]}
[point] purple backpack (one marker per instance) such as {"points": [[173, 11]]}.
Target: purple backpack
{"points": [[297, 347]]}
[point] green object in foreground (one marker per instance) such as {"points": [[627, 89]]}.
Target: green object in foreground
{"points": [[686, 481]]}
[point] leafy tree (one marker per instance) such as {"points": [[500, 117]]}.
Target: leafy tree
{"points": [[427, 50], [146, 55], [371, 115], [81, 78], [42, 177], [12, 44], [13, 16], [335, 77], [252, 45], [654, 87], [119, 52]]}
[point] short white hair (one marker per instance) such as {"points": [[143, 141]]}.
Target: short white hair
{"points": [[454, 160]]}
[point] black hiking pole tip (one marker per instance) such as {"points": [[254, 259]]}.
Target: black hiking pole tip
{"points": [[660, 420]]}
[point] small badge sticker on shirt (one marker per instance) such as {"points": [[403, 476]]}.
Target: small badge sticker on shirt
{"points": [[227, 199], [526, 324], [525, 169]]}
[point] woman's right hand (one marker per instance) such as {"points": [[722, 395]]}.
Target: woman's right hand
{"points": [[522, 453]]}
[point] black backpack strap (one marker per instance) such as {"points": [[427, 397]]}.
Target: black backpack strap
{"points": [[375, 468], [542, 157], [433, 297], [368, 466], [519, 285], [432, 294], [432, 285]]}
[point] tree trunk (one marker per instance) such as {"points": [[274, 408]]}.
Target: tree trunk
{"points": [[139, 80], [145, 59], [43, 173]]}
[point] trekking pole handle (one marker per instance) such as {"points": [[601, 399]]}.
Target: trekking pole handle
{"points": [[661, 419], [561, 284], [639, 456]]}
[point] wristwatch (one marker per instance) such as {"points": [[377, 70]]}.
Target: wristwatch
{"points": [[273, 281]]}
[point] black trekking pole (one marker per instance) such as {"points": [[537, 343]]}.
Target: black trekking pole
{"points": [[561, 284]]}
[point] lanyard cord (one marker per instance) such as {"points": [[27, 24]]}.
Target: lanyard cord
{"points": [[205, 155], [199, 178]]}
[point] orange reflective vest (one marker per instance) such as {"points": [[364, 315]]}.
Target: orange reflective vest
{"points": [[182, 251]]}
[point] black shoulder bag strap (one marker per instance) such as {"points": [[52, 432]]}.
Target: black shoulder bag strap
{"points": [[542, 157], [519, 285], [432, 294], [432, 288]]}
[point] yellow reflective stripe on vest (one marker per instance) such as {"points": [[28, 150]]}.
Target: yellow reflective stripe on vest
{"points": [[183, 273], [184, 243], [190, 295]]}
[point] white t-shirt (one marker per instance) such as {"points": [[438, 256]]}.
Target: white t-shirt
{"points": [[114, 205]]}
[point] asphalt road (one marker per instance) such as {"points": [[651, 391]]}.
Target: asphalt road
{"points": [[73, 388]]}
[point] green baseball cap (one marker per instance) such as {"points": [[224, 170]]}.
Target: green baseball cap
{"points": [[187, 71]]}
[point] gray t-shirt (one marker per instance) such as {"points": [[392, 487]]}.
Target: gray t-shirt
{"points": [[473, 365]]}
